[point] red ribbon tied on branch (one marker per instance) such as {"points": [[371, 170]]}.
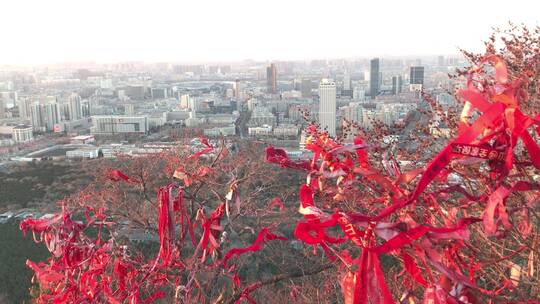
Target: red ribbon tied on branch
{"points": [[491, 137]]}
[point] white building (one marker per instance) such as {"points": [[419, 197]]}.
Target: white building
{"points": [[86, 152], [327, 106], [262, 116], [156, 120], [291, 94], [265, 130], [129, 109], [184, 101], [220, 131], [106, 83], [83, 139], [114, 124], [286, 131], [22, 133], [115, 150], [218, 119]]}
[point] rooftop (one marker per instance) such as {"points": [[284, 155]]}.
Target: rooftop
{"points": [[21, 127]]}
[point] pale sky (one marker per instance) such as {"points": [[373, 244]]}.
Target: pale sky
{"points": [[52, 31]]}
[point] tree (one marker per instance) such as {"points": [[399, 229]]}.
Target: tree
{"points": [[460, 226]]}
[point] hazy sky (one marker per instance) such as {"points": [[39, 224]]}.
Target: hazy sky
{"points": [[49, 31]]}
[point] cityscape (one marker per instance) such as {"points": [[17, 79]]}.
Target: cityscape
{"points": [[230, 152], [105, 110]]}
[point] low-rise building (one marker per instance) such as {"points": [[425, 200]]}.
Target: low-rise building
{"points": [[83, 139], [86, 152], [220, 131], [6, 142], [218, 119], [265, 130], [115, 124], [286, 131], [262, 116], [177, 116], [115, 150], [156, 120]]}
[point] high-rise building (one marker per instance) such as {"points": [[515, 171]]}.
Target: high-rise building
{"points": [[305, 88], [327, 106], [374, 81], [85, 108], [5, 99], [271, 79], [397, 83], [45, 116], [36, 117], [417, 75], [194, 106], [184, 101], [416, 79], [2, 107], [346, 90], [347, 82], [52, 115], [237, 88], [74, 107], [24, 108]]}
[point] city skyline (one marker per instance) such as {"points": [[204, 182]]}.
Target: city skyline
{"points": [[206, 31]]}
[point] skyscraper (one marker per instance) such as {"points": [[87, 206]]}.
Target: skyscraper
{"points": [[75, 107], [45, 116], [237, 88], [374, 78], [416, 79], [24, 108], [85, 108], [417, 75], [327, 106], [397, 83], [271, 79], [36, 117], [52, 115]]}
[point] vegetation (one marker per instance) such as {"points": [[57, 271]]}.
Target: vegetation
{"points": [[40, 183], [459, 225], [15, 277]]}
